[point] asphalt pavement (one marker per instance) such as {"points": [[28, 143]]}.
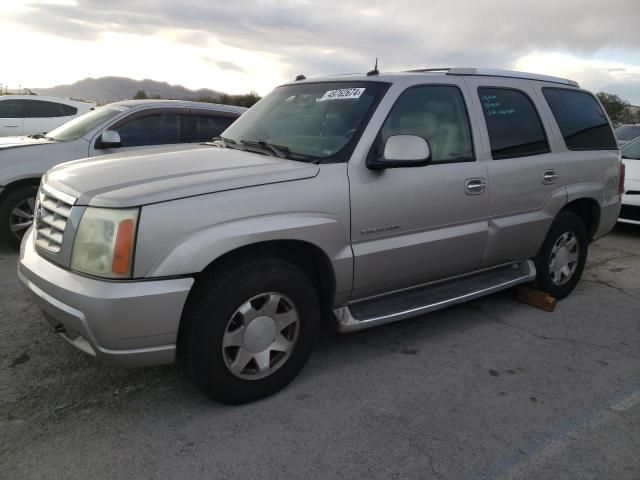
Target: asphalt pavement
{"points": [[490, 389]]}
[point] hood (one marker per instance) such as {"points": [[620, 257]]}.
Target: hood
{"points": [[157, 175], [12, 142]]}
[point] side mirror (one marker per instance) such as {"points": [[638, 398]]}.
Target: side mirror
{"points": [[402, 151], [109, 139]]}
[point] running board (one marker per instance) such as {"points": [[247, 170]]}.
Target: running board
{"points": [[417, 301]]}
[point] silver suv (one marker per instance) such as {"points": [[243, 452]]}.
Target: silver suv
{"points": [[357, 200]]}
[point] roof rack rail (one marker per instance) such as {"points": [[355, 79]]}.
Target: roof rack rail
{"points": [[419, 70], [494, 72]]}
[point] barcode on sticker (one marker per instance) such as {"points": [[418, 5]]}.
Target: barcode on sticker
{"points": [[342, 94]]}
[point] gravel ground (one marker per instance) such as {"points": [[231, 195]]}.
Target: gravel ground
{"points": [[490, 389]]}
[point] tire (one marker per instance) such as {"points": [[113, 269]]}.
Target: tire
{"points": [[551, 278], [228, 306], [21, 201]]}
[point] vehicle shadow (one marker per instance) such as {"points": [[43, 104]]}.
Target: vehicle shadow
{"points": [[627, 230]]}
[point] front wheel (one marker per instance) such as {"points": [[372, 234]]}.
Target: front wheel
{"points": [[250, 330], [16, 214], [561, 260]]}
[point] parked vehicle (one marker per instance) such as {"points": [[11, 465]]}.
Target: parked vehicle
{"points": [[630, 211], [117, 127], [626, 133], [33, 114], [359, 200]]}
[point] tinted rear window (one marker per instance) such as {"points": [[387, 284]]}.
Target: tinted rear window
{"points": [[514, 126], [44, 109], [11, 109], [209, 127], [583, 123], [627, 132]]}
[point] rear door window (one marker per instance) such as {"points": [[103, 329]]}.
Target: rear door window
{"points": [[207, 127], [513, 123], [68, 110], [44, 109], [12, 109], [581, 120]]}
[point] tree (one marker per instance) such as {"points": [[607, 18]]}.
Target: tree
{"points": [[616, 108], [246, 100], [140, 95]]}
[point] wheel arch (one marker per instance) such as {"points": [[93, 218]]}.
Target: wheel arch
{"points": [[588, 209], [310, 258], [10, 187]]}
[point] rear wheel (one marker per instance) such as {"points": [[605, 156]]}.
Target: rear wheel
{"points": [[250, 330], [561, 260], [16, 214]]}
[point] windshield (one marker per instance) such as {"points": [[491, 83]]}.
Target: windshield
{"points": [[627, 132], [631, 150], [312, 120], [82, 125]]}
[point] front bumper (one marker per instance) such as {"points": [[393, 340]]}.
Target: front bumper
{"points": [[130, 323]]}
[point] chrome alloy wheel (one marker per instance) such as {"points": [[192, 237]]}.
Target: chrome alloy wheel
{"points": [[21, 217], [564, 258], [260, 336]]}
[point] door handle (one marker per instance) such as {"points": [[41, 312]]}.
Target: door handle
{"points": [[474, 186], [549, 177], [10, 126]]}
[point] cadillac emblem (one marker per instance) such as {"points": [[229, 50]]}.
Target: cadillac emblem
{"points": [[38, 216]]}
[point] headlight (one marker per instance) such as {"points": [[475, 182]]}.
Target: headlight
{"points": [[104, 242]]}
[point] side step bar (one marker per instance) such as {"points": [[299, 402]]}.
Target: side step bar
{"points": [[417, 301]]}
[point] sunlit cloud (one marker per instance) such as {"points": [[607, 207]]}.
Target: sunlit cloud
{"points": [[592, 73], [243, 45]]}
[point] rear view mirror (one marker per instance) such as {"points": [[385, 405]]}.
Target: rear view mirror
{"points": [[402, 151], [109, 139]]}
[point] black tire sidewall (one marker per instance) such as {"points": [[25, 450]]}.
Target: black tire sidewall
{"points": [[564, 222], [10, 200], [213, 304]]}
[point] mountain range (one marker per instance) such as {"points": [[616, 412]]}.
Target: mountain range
{"points": [[111, 89]]}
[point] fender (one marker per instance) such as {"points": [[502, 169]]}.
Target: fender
{"points": [[197, 251]]}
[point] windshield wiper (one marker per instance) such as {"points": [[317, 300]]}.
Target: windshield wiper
{"points": [[277, 150], [226, 142], [280, 151]]}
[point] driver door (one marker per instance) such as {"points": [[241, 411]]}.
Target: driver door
{"points": [[413, 225]]}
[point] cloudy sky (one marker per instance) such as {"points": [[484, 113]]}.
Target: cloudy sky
{"points": [[242, 45]]}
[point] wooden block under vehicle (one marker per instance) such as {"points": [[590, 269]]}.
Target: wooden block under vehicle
{"points": [[536, 298]]}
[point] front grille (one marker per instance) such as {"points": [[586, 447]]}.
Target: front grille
{"points": [[51, 217], [630, 212]]}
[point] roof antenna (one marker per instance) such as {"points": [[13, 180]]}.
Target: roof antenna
{"points": [[300, 77], [375, 69]]}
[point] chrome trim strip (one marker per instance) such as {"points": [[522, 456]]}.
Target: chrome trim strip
{"points": [[54, 192], [346, 322]]}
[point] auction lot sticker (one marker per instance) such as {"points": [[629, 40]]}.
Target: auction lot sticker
{"points": [[342, 94]]}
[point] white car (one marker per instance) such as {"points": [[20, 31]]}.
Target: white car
{"points": [[630, 211], [626, 133], [32, 114], [114, 128]]}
